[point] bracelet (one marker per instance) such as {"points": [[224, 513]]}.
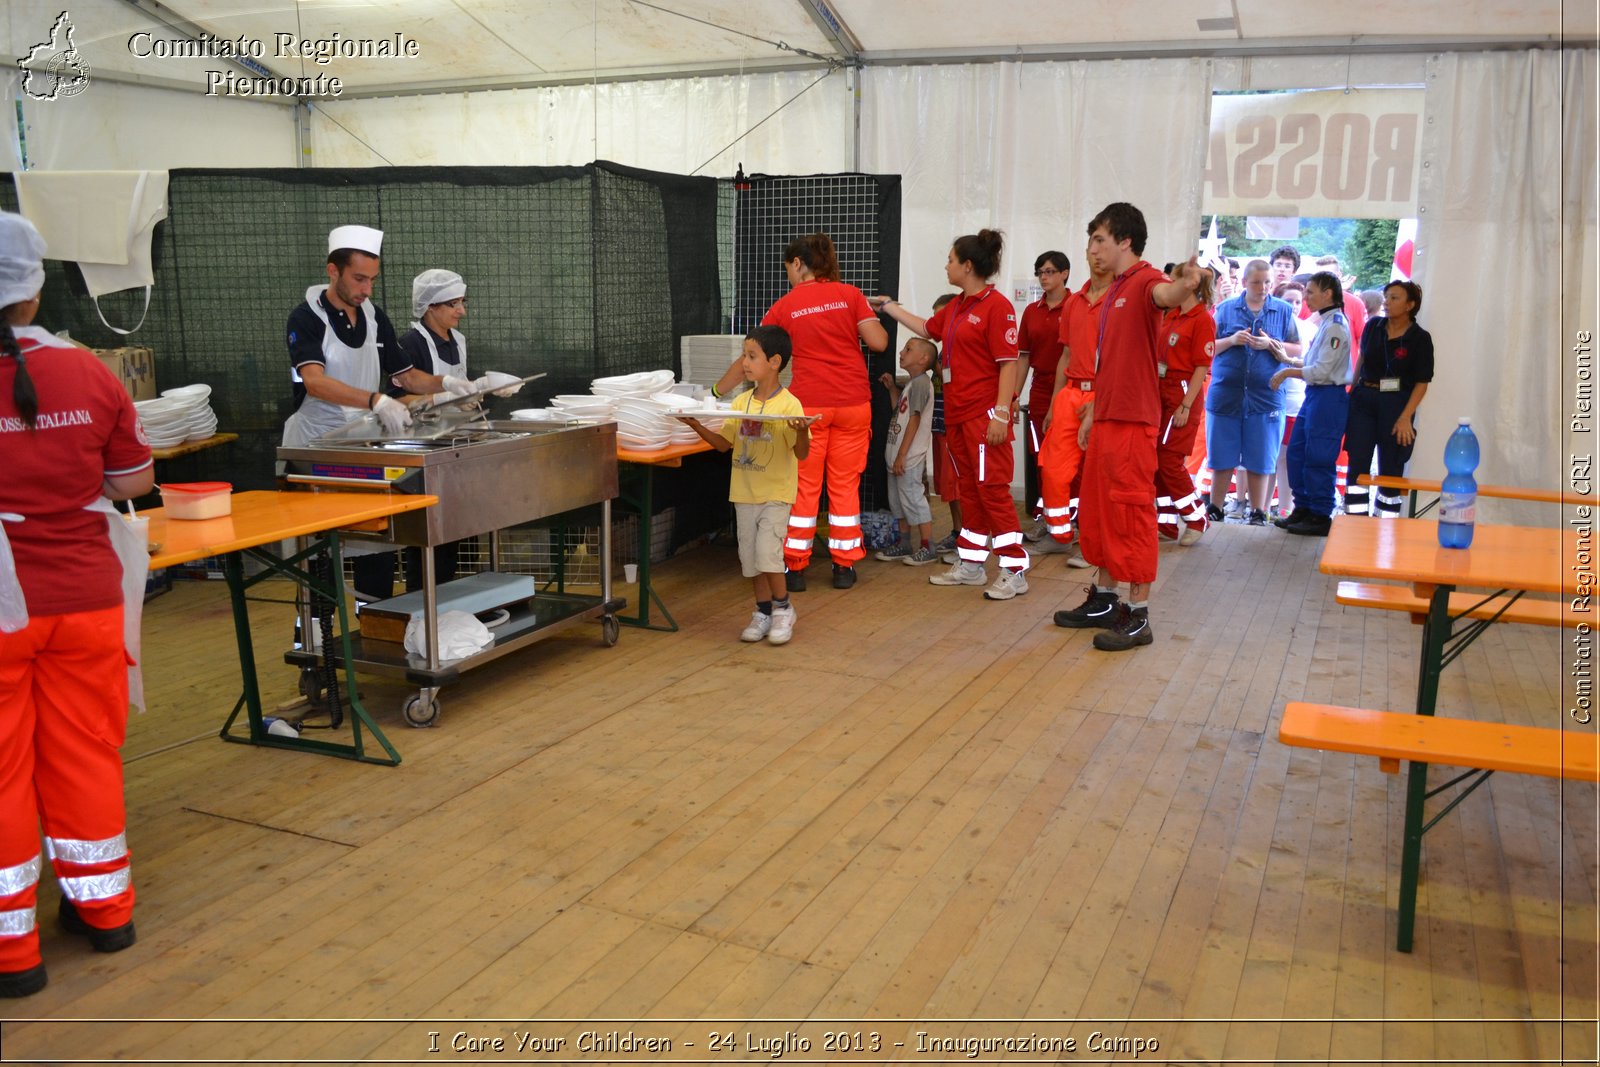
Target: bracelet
{"points": [[714, 393], [372, 398], [1000, 413]]}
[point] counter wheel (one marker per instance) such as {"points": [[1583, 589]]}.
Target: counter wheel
{"points": [[610, 629], [311, 685], [421, 713]]}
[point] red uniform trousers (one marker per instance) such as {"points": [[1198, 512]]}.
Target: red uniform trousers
{"points": [[64, 682], [1176, 496], [983, 475], [839, 442], [1061, 460], [1118, 525]]}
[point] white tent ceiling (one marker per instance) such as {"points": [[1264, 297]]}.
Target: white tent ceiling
{"points": [[505, 43]]}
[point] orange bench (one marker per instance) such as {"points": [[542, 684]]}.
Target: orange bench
{"points": [[1495, 608], [1484, 747]]}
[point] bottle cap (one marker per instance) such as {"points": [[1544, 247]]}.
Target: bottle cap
{"points": [[1465, 421]]}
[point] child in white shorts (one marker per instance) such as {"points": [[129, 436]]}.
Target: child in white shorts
{"points": [[907, 451]]}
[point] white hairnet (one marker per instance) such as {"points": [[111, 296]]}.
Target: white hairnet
{"points": [[21, 259], [435, 287]]}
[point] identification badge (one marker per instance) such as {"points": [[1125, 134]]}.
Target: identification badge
{"points": [[946, 373], [1388, 385], [1161, 370]]}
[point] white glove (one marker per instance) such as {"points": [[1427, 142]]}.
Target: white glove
{"points": [[500, 383], [394, 415], [458, 386]]}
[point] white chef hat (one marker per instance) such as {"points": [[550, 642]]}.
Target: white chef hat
{"points": [[435, 286], [21, 260], [361, 238]]}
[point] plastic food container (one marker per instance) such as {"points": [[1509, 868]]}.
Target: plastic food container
{"points": [[197, 500]]}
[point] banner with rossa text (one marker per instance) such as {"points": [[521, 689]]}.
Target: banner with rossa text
{"points": [[1321, 154]]}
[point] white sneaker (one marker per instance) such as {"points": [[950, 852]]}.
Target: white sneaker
{"points": [[951, 557], [1037, 532], [962, 573], [782, 626], [1007, 584], [1191, 535], [1075, 558], [760, 626]]}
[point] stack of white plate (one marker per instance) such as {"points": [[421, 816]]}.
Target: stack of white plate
{"points": [[707, 356], [643, 425], [641, 384], [178, 415], [541, 415], [583, 405], [682, 432]]}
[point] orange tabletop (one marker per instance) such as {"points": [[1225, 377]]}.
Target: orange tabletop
{"points": [[1529, 558], [1502, 492], [263, 517], [189, 447], [671, 456]]}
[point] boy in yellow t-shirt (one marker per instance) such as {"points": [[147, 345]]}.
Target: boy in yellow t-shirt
{"points": [[766, 455]]}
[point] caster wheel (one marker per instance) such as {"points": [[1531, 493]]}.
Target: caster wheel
{"points": [[610, 630], [420, 713], [311, 685]]}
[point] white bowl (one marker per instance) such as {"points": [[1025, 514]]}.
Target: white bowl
{"points": [[188, 392]]}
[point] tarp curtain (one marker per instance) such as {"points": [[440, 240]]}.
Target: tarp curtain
{"points": [[1506, 257]]}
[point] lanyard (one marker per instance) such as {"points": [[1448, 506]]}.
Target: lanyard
{"points": [[1105, 311], [961, 307]]}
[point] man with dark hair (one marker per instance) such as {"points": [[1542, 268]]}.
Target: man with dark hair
{"points": [[1116, 523], [1284, 261]]}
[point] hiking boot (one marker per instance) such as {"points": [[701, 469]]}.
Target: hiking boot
{"points": [[1257, 517], [898, 554], [961, 573], [1008, 584], [782, 626], [843, 577], [1214, 514], [113, 940], [23, 983], [1311, 524], [1284, 522], [1192, 532], [1130, 630], [1097, 610], [921, 557], [760, 626], [794, 581]]}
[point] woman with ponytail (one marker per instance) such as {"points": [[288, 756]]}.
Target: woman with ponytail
{"points": [[69, 437], [978, 330], [827, 321]]}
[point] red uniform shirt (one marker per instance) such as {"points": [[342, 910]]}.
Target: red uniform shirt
{"points": [[1126, 387], [823, 320], [978, 333], [86, 429], [1041, 340], [1187, 340], [1079, 320]]}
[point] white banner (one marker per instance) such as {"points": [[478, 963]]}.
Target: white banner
{"points": [[1324, 154]]}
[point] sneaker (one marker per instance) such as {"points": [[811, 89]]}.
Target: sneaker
{"points": [[1008, 584], [1075, 557], [1310, 524], [794, 581], [782, 626], [1037, 532], [1099, 608], [1130, 630], [1236, 508], [1293, 516], [23, 983], [843, 577], [961, 573], [114, 940], [1191, 534], [921, 557], [951, 557], [1215, 514], [948, 544], [1049, 547], [1257, 517], [760, 626], [894, 555]]}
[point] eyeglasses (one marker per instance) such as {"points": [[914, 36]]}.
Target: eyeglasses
{"points": [[458, 302], [1045, 273]]}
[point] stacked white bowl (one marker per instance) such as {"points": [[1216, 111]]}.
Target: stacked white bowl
{"points": [[582, 405], [178, 415], [643, 425], [682, 432], [636, 386]]}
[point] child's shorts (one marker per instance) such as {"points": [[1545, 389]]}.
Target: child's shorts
{"points": [[908, 496], [944, 471], [762, 528]]}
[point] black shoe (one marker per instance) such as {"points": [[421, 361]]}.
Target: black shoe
{"points": [[114, 940], [1311, 525], [1130, 630], [1257, 517], [1282, 522], [1099, 608], [794, 581], [843, 577], [1215, 514], [23, 983]]}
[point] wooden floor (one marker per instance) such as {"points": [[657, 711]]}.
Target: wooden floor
{"points": [[927, 809]]}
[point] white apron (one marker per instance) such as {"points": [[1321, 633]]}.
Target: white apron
{"points": [[439, 366], [358, 367]]}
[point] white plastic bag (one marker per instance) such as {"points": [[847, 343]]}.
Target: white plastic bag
{"points": [[13, 605], [460, 635]]}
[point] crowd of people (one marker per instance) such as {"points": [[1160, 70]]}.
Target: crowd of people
{"points": [[1153, 393]]}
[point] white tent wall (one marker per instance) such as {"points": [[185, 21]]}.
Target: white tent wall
{"points": [[1507, 266], [118, 126], [803, 124]]}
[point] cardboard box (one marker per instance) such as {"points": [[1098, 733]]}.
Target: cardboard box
{"points": [[135, 368]]}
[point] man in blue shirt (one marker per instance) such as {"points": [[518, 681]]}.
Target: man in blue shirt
{"points": [[1256, 335]]}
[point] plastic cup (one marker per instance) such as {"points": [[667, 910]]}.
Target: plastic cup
{"points": [[630, 572], [141, 526]]}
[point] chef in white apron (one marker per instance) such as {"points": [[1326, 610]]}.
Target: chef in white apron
{"points": [[71, 586]]}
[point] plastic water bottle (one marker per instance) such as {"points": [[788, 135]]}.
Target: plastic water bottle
{"points": [[1458, 498]]}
